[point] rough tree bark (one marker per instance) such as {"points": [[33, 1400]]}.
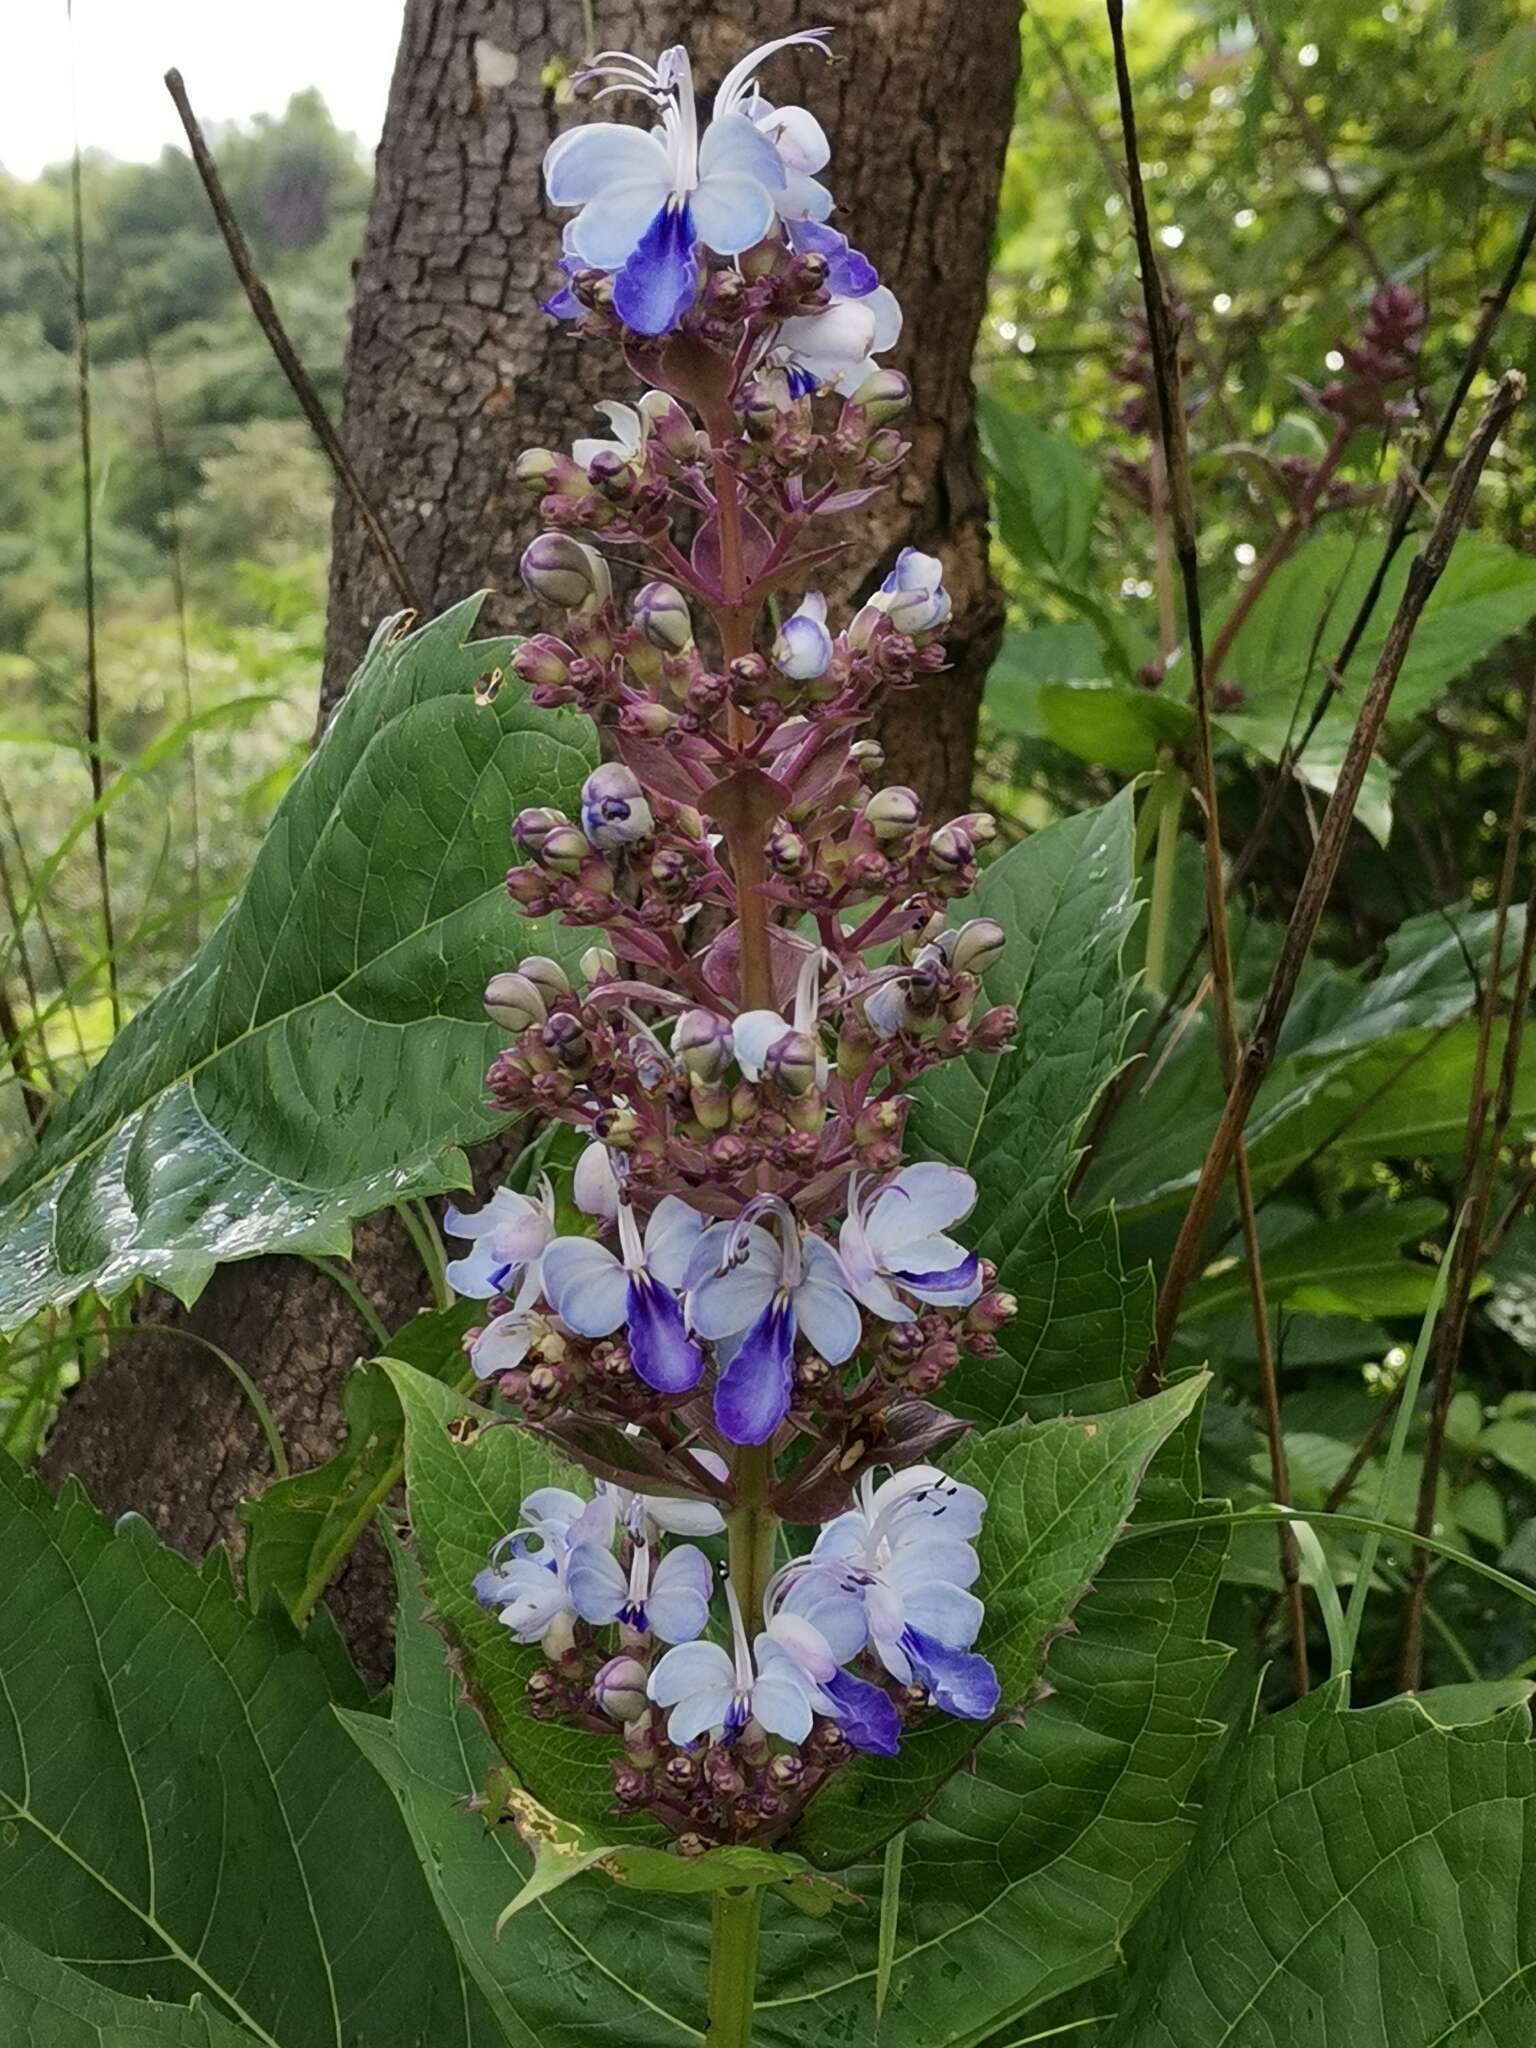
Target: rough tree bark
{"points": [[451, 371]]}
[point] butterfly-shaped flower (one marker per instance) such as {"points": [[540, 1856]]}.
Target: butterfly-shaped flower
{"points": [[508, 1238], [671, 1601], [816, 1628], [649, 200], [754, 1294], [527, 1581], [712, 1691], [895, 1240], [593, 1291]]}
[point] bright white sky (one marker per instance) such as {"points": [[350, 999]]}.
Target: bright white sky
{"points": [[238, 57]]}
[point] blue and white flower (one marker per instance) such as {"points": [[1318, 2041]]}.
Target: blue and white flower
{"points": [[755, 1033], [913, 596], [627, 439], [836, 349], [753, 1294], [712, 1691], [803, 149], [803, 649], [614, 810], [905, 1554], [508, 1238], [815, 1628], [895, 1240], [529, 1588], [645, 1515], [593, 1291], [671, 1602], [649, 201]]}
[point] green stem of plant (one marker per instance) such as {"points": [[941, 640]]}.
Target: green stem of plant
{"points": [[736, 1921], [1167, 797], [753, 1531], [422, 1231]]}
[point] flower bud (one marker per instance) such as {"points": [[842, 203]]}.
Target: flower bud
{"points": [[547, 976], [663, 617], [885, 1009], [614, 811], [952, 846], [598, 964], [619, 1688], [978, 945], [997, 1029], [513, 1002], [710, 1102], [913, 596], [537, 468], [787, 853], [543, 659], [868, 758], [803, 648], [565, 850], [670, 427], [532, 827], [565, 572], [791, 1062], [594, 1184], [702, 1041], [884, 395], [893, 813], [992, 1310]]}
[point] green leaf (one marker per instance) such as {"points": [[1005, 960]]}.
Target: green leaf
{"points": [[1487, 592], [593, 1960], [1356, 1882], [1348, 1265], [464, 1498], [1058, 1492], [45, 2005], [1268, 733], [562, 1850], [183, 1815], [1047, 492], [1053, 683], [325, 1051], [1066, 900], [303, 1528], [1513, 1444]]}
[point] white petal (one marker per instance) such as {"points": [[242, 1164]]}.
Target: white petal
{"points": [[734, 147], [946, 1612], [691, 1668], [828, 1320], [586, 1285], [886, 307], [803, 198], [932, 1559], [501, 1346], [606, 230], [594, 1185], [753, 1035], [585, 161], [625, 422], [921, 1199], [728, 1303], [731, 212], [584, 454], [799, 138], [780, 1704], [670, 1236], [598, 1586], [804, 1643], [701, 1711]]}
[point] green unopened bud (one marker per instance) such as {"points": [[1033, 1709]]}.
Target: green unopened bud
{"points": [[791, 1062], [868, 757], [537, 468], [566, 850], [514, 1002], [566, 572], [598, 964], [893, 814], [702, 1041], [884, 395], [663, 617], [711, 1101], [978, 945], [532, 827]]}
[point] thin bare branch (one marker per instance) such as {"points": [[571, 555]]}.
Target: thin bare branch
{"points": [[260, 300], [1258, 1055]]}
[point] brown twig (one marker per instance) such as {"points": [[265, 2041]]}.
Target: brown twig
{"points": [[1259, 1053], [1164, 349], [260, 300], [1479, 1166], [1316, 141]]}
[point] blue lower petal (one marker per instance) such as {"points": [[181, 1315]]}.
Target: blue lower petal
{"points": [[850, 274], [660, 1348], [752, 1394], [961, 1682], [657, 285], [866, 1713], [956, 1277]]}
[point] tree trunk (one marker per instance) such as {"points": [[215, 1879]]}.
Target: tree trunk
{"points": [[451, 371]]}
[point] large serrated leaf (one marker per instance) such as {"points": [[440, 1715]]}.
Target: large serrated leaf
{"points": [[182, 1813], [1058, 1494], [1359, 1880], [325, 1051], [45, 2005]]}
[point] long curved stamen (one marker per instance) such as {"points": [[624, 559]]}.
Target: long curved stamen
{"points": [[734, 85], [742, 1650], [631, 1244], [680, 118], [790, 1262]]}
